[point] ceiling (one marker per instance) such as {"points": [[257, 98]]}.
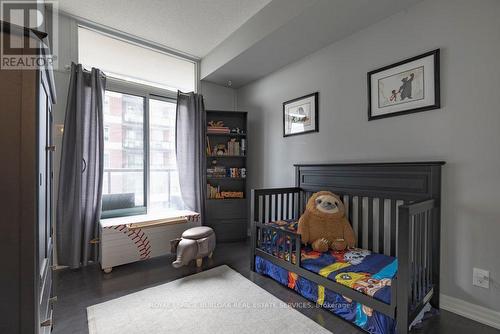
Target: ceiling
{"points": [[317, 24], [194, 27], [238, 41]]}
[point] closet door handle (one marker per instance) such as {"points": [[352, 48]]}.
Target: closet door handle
{"points": [[51, 148]]}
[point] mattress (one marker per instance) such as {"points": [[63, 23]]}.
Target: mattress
{"points": [[359, 269]]}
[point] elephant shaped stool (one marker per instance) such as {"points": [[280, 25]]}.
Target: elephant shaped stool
{"points": [[196, 243]]}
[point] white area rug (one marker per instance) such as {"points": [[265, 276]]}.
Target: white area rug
{"points": [[219, 300]]}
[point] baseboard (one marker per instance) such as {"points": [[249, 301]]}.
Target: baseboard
{"points": [[472, 311]]}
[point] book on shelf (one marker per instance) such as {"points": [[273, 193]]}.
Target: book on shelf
{"points": [[217, 193], [213, 192], [216, 171], [243, 146], [217, 127], [232, 194], [218, 131], [223, 172], [232, 148], [209, 150]]}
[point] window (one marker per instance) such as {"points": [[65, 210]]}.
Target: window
{"points": [[124, 174], [127, 172], [106, 133], [127, 61], [165, 190], [106, 160], [140, 168]]}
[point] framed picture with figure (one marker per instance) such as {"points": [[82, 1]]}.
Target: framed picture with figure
{"points": [[406, 87], [300, 115]]}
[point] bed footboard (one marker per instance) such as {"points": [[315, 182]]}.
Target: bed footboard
{"points": [[288, 250], [271, 205], [291, 263], [416, 250]]}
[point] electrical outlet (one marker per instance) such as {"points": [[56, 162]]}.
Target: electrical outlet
{"points": [[481, 278]]}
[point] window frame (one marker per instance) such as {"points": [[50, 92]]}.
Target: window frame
{"points": [[137, 89], [147, 93], [131, 39]]}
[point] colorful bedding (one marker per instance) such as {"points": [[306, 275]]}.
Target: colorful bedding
{"points": [[359, 269]]}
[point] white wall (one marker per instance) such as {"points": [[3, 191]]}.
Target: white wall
{"points": [[465, 132], [67, 47]]}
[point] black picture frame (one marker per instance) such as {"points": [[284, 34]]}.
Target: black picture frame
{"points": [[316, 114], [437, 90]]}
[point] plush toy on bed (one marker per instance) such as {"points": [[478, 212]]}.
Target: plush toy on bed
{"points": [[324, 224]]}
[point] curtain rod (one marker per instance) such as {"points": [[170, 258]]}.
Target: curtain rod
{"points": [[189, 93], [68, 69]]}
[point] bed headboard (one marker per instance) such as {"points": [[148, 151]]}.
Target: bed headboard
{"points": [[372, 193], [410, 181]]}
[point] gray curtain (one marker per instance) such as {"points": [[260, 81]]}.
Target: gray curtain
{"points": [[81, 171], [190, 146]]}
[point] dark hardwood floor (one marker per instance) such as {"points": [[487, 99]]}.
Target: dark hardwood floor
{"points": [[78, 289]]}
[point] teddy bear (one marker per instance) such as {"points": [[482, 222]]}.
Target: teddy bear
{"points": [[324, 225]]}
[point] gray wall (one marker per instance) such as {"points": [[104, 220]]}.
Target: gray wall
{"points": [[465, 132], [218, 97]]}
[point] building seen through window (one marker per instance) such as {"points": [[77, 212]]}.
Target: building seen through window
{"points": [[125, 152]]}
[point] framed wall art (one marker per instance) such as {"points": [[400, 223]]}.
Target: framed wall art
{"points": [[300, 115], [406, 87]]}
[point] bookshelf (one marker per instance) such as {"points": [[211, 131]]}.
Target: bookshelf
{"points": [[226, 172]]}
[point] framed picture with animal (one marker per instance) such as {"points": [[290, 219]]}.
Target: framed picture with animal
{"points": [[406, 87], [300, 115]]}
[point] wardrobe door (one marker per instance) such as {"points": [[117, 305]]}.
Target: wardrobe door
{"points": [[45, 206], [43, 201], [11, 199], [50, 179]]}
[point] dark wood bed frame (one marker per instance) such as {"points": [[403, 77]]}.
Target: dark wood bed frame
{"points": [[404, 196]]}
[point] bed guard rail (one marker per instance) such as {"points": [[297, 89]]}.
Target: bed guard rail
{"points": [[286, 253], [417, 242], [416, 247], [275, 204]]}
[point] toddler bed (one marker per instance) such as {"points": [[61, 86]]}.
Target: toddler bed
{"points": [[383, 284]]}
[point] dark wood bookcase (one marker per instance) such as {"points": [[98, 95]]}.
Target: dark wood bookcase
{"points": [[227, 216]]}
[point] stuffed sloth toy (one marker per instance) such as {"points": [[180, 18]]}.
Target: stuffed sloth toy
{"points": [[324, 224]]}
